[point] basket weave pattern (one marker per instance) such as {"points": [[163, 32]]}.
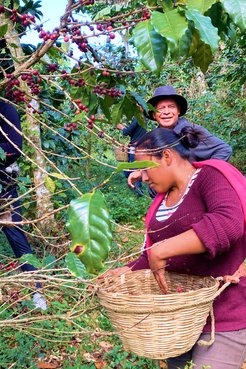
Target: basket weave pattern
{"points": [[121, 153], [152, 324]]}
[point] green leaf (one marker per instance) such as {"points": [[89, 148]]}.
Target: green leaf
{"points": [[31, 259], [49, 261], [116, 113], [208, 33], [14, 46], [105, 108], [237, 12], [102, 13], [3, 30], [195, 42], [171, 25], [139, 100], [90, 229], [151, 46], [219, 18], [50, 184], [2, 154], [74, 265], [203, 57], [166, 4], [201, 5], [136, 165]]}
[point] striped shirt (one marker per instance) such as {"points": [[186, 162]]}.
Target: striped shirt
{"points": [[164, 211]]}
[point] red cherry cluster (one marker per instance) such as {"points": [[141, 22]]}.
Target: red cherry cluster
{"points": [[49, 35], [14, 16], [12, 92], [33, 81], [146, 14], [27, 19], [91, 121], [81, 106], [71, 127], [52, 67], [101, 134], [102, 90], [9, 266], [24, 19], [79, 40], [2, 9]]}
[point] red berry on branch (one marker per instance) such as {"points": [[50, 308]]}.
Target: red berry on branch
{"points": [[78, 249]]}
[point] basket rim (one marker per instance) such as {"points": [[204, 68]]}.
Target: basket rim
{"points": [[117, 301]]}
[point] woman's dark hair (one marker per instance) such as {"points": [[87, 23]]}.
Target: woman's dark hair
{"points": [[154, 142]]}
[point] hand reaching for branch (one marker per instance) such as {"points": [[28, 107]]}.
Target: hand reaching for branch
{"points": [[133, 178]]}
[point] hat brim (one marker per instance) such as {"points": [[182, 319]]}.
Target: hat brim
{"points": [[180, 100]]}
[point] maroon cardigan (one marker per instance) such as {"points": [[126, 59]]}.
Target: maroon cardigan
{"points": [[213, 210]]}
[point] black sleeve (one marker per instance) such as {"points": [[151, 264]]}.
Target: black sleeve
{"points": [[9, 112]]}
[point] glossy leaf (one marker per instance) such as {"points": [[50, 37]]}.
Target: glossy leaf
{"points": [[151, 45], [171, 25], [219, 18], [208, 33], [31, 259], [139, 100], [136, 165], [237, 11], [74, 265], [201, 5], [105, 108], [203, 57], [3, 29], [90, 230]]}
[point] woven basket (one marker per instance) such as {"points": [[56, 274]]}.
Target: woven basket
{"points": [[152, 324], [121, 153]]}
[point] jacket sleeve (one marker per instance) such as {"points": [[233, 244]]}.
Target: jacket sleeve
{"points": [[211, 147], [10, 113], [129, 131], [223, 223]]}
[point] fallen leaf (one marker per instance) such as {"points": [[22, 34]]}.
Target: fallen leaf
{"points": [[43, 365], [106, 346], [100, 364]]}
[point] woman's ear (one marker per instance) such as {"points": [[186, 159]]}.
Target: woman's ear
{"points": [[167, 156]]}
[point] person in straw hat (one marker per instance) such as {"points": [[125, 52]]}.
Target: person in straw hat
{"points": [[168, 109], [197, 225]]}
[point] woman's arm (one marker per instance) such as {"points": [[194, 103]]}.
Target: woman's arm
{"points": [[182, 244]]}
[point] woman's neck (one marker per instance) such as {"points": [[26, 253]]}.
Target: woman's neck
{"points": [[182, 179]]}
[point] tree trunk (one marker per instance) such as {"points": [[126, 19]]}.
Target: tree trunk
{"points": [[43, 195]]}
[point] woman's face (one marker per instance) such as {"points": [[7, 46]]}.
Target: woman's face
{"points": [[157, 178]]}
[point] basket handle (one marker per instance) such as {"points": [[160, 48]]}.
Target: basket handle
{"points": [[241, 272], [211, 313]]}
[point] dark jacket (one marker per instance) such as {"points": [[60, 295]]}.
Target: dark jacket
{"points": [[12, 152], [134, 130], [210, 146]]}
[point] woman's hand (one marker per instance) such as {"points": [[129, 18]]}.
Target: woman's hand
{"points": [[134, 177], [115, 272], [157, 265]]}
